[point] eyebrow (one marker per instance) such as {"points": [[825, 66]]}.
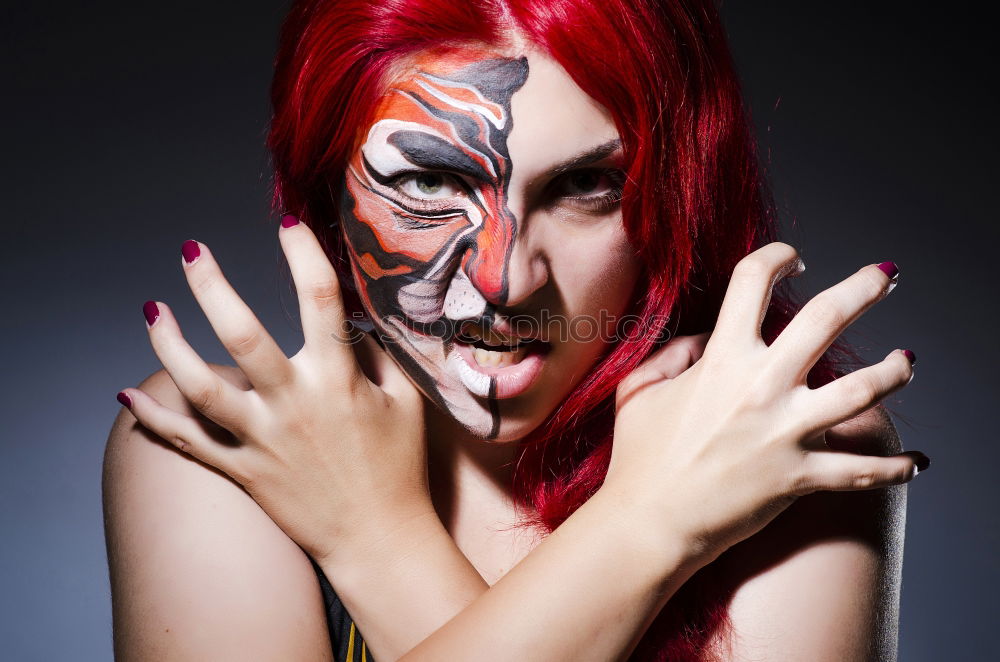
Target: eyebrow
{"points": [[432, 153], [592, 155]]}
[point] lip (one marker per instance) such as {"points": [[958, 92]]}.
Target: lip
{"points": [[498, 382]]}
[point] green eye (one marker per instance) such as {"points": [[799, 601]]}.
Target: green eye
{"points": [[429, 183]]}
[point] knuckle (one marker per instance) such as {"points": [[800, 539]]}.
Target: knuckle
{"points": [[865, 480], [324, 291], [765, 262], [201, 282], [801, 483], [824, 313], [754, 266], [243, 344], [785, 253], [865, 391], [204, 397], [180, 442]]}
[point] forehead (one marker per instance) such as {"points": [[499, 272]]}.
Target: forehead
{"points": [[551, 117]]}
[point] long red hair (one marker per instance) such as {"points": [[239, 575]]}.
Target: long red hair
{"points": [[694, 201]]}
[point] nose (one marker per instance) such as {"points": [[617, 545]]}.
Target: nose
{"points": [[527, 271], [503, 264]]}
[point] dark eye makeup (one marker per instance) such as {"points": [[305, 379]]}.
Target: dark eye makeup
{"points": [[592, 190]]}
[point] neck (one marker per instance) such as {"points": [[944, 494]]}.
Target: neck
{"points": [[464, 469]]}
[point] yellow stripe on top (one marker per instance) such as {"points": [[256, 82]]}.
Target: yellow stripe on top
{"points": [[364, 657], [350, 645]]}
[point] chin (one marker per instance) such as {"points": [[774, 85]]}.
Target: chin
{"points": [[513, 429]]}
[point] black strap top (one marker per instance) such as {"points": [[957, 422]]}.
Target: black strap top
{"points": [[348, 646]]}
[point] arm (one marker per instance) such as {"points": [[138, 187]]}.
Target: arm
{"points": [[198, 570], [822, 581], [822, 585], [677, 493], [586, 592]]}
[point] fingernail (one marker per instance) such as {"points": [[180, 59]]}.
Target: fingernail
{"points": [[190, 251], [151, 312], [910, 356], [889, 269], [288, 221], [124, 399], [923, 463]]}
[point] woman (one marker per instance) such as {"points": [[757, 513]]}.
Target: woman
{"points": [[550, 215]]}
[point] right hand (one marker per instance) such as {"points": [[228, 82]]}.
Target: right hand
{"points": [[330, 442], [719, 450]]}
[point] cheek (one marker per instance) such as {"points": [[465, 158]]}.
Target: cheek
{"points": [[372, 227], [597, 273]]}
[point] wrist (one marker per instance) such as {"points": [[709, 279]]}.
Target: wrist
{"points": [[655, 535], [381, 539]]}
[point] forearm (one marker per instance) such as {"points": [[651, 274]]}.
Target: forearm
{"points": [[587, 592], [403, 581]]}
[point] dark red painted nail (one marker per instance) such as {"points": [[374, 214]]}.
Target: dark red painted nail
{"points": [[151, 312], [190, 251], [288, 221], [890, 269], [124, 399], [911, 356], [923, 463]]}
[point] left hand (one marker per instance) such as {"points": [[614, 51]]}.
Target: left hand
{"points": [[331, 448]]}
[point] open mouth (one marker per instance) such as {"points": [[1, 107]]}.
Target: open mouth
{"points": [[490, 349]]}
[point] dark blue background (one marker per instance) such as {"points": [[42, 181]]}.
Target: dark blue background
{"points": [[130, 127]]}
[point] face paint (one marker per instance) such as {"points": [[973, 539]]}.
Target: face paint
{"points": [[427, 216], [426, 264]]}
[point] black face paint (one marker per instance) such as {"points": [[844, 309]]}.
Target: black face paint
{"points": [[425, 266]]}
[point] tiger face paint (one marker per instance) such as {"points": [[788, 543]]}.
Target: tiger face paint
{"points": [[432, 223]]}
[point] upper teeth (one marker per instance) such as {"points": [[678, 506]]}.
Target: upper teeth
{"points": [[485, 357], [494, 338]]}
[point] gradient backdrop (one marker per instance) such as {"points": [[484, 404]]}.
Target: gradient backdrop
{"points": [[130, 127]]}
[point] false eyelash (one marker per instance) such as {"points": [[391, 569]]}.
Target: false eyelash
{"points": [[602, 204], [413, 222]]}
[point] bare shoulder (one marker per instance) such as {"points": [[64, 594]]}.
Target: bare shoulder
{"points": [[821, 582], [198, 570]]}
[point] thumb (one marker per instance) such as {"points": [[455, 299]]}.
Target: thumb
{"points": [[379, 366], [669, 361]]}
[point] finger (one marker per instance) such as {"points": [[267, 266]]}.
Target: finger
{"points": [[829, 470], [847, 396], [216, 399], [214, 447], [321, 305], [239, 330], [749, 293], [827, 315], [676, 356]]}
